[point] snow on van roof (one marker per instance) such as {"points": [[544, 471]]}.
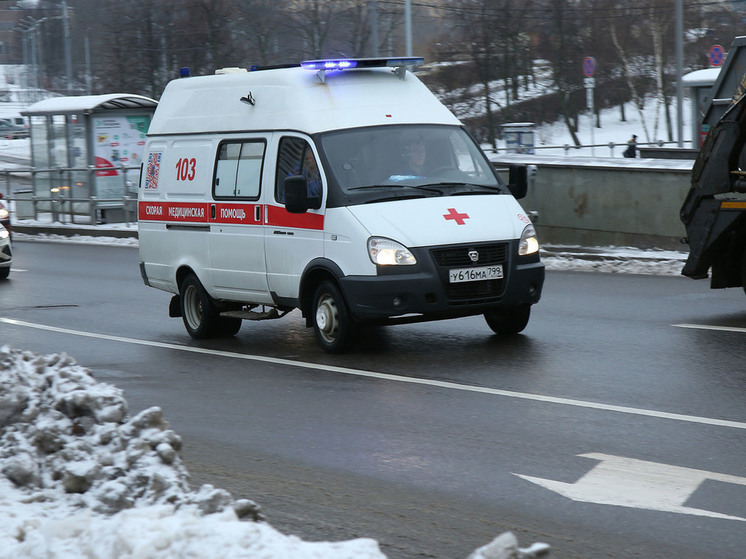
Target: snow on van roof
{"points": [[86, 103], [296, 99]]}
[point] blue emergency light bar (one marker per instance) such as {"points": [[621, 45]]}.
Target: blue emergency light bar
{"points": [[399, 64], [328, 64], [349, 63]]}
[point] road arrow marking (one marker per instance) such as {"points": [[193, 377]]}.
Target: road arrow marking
{"points": [[711, 327], [626, 482]]}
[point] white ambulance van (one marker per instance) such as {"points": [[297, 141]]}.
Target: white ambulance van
{"points": [[341, 188]]}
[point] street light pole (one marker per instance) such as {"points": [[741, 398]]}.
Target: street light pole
{"points": [[68, 59], [408, 26], [679, 73], [374, 27]]}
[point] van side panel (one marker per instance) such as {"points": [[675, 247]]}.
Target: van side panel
{"points": [[236, 239], [173, 210], [291, 241], [345, 243]]}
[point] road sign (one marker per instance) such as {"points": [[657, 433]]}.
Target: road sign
{"points": [[589, 83], [589, 66], [716, 55]]}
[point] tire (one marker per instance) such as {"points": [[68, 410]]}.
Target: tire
{"points": [[508, 321], [333, 325], [4, 272], [200, 316]]}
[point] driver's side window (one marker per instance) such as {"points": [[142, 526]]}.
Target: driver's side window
{"points": [[296, 158]]}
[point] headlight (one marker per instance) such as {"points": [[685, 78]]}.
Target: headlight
{"points": [[385, 252], [4, 213], [528, 244]]}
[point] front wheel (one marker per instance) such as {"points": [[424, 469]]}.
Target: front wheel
{"points": [[508, 321], [332, 323]]}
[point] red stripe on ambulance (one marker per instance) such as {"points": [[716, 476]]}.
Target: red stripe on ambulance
{"points": [[237, 214], [241, 214], [173, 212], [278, 216]]}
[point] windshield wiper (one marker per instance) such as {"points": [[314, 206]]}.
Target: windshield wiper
{"points": [[463, 188], [427, 187], [464, 184]]}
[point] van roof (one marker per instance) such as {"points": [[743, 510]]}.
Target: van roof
{"points": [[296, 99]]}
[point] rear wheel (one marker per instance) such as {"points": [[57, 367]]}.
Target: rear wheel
{"points": [[508, 321], [334, 327], [198, 311]]}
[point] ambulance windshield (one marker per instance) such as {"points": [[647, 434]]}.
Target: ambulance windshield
{"points": [[438, 159]]}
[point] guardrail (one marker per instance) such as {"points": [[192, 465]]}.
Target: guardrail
{"points": [[568, 148], [69, 195]]}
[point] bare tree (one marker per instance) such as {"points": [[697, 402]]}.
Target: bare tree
{"points": [[261, 23], [314, 21], [563, 47]]}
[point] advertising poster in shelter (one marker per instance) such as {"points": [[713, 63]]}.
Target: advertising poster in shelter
{"points": [[118, 141]]}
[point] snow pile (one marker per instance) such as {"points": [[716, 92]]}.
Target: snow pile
{"points": [[80, 478], [612, 259]]}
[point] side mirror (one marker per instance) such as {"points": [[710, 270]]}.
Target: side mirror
{"points": [[296, 195], [518, 181]]}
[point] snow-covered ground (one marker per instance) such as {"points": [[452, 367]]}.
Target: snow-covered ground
{"points": [[611, 138], [81, 477], [606, 138]]}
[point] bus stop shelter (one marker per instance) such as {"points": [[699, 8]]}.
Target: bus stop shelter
{"points": [[86, 152]]}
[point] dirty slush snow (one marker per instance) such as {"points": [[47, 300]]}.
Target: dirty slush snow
{"points": [[80, 477]]}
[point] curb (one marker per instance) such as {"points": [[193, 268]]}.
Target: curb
{"points": [[72, 231]]}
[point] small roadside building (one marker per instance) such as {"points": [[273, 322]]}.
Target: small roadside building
{"points": [[86, 151], [700, 85]]}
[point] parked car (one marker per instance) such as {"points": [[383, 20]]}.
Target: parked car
{"points": [[12, 131], [4, 213], [5, 253]]}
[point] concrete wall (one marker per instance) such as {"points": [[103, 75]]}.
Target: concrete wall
{"points": [[606, 201]]}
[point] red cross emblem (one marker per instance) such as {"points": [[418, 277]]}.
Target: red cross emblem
{"points": [[457, 217]]}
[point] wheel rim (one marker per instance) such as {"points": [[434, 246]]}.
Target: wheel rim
{"points": [[192, 307], [327, 318]]}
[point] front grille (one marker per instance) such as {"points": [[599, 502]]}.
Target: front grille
{"points": [[459, 256], [471, 292]]}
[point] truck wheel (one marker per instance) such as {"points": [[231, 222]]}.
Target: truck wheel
{"points": [[335, 330], [508, 321], [197, 309]]}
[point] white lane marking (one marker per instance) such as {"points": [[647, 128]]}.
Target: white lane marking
{"points": [[626, 482], [711, 327], [390, 377]]}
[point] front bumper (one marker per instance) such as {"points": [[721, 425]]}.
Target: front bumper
{"points": [[423, 290]]}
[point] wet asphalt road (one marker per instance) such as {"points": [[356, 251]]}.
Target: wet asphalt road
{"points": [[604, 430]]}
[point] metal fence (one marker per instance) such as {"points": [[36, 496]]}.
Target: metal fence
{"points": [[58, 194], [571, 149]]}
